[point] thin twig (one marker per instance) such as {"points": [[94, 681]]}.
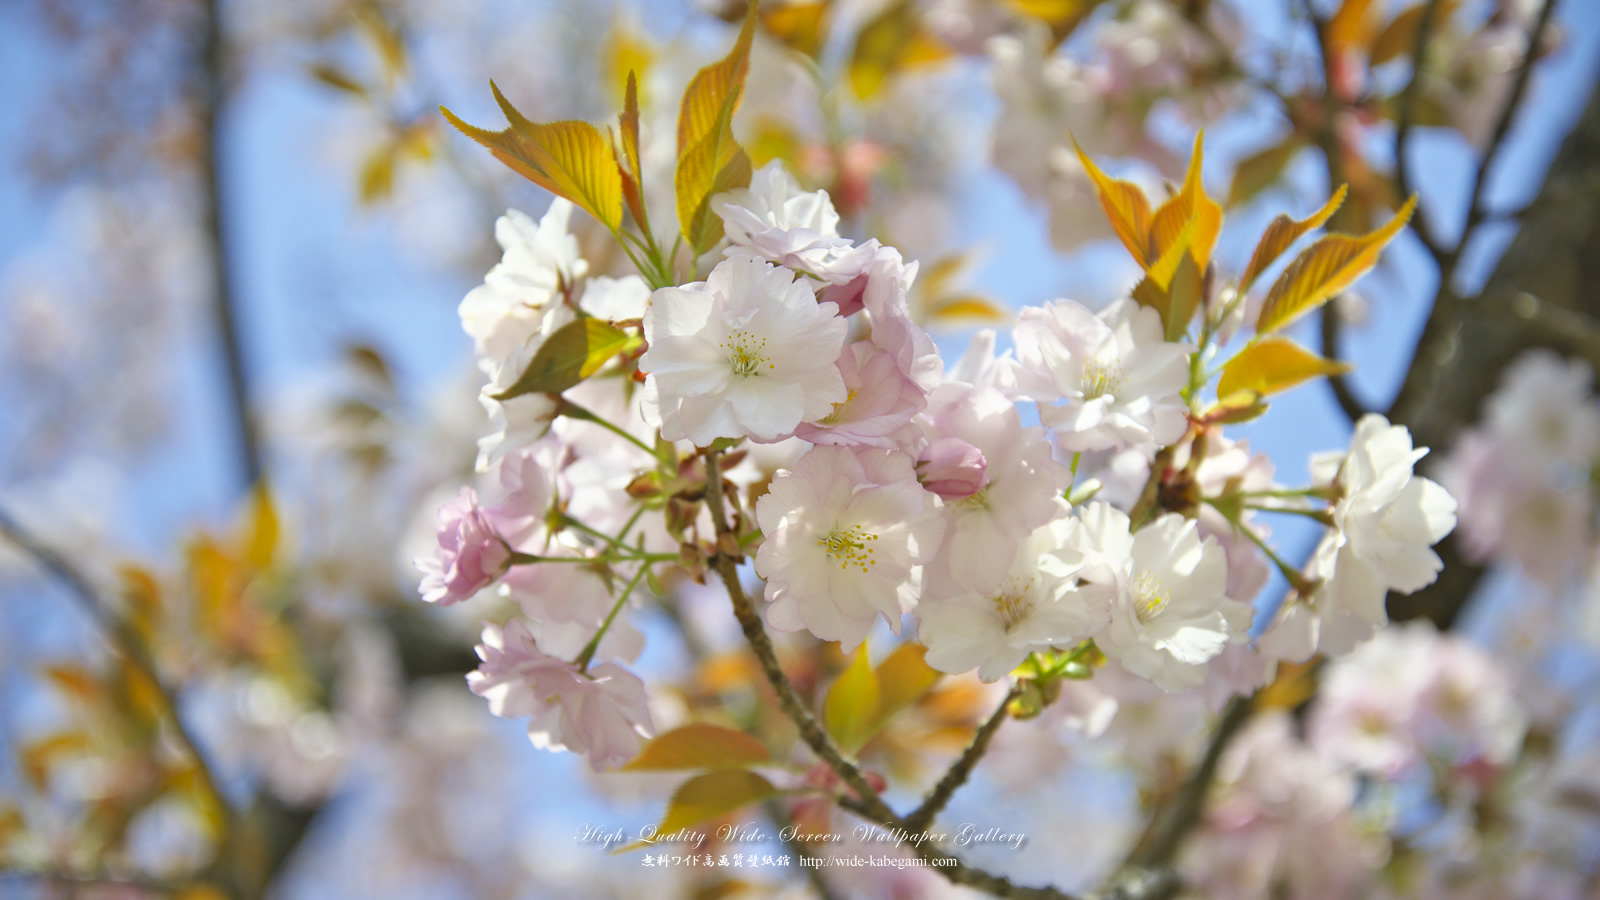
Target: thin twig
{"points": [[127, 640], [72, 880], [1476, 212], [923, 816]]}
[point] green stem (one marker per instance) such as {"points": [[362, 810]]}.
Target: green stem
{"points": [[582, 662], [1296, 580], [574, 411], [572, 523], [750, 538]]}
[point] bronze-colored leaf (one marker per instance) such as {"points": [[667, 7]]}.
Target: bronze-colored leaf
{"points": [[1282, 233], [574, 352]]}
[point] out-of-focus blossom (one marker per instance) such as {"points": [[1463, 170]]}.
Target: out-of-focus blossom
{"points": [[847, 532], [748, 352]]}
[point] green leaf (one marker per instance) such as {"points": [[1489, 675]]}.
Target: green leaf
{"points": [[852, 703], [1272, 365], [1324, 269], [700, 745], [577, 350], [568, 159]]}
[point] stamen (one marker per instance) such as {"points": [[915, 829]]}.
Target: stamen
{"points": [[1013, 606], [746, 353], [850, 546], [1100, 379], [1149, 597]]}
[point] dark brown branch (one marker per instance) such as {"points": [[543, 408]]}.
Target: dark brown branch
{"points": [[213, 87], [1421, 226], [1332, 324], [127, 640], [959, 771], [756, 635]]}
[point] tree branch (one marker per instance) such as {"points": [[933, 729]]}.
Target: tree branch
{"points": [[213, 86], [1332, 323], [1420, 224], [127, 640], [960, 770]]}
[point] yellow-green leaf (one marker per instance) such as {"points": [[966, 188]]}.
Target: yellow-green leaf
{"points": [[1324, 269], [852, 703], [577, 350], [903, 677], [335, 77], [1189, 209], [568, 159], [709, 159], [1282, 233], [1125, 205], [896, 40], [1351, 25], [711, 795], [1272, 365], [377, 174], [700, 745], [629, 164]]}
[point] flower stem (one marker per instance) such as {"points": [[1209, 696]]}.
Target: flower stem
{"points": [[582, 662], [574, 411]]}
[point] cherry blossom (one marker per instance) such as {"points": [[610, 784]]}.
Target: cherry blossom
{"points": [[847, 532], [746, 353], [471, 554]]}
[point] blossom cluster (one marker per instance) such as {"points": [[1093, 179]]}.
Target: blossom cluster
{"points": [[906, 490]]}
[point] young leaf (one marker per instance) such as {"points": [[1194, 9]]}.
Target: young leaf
{"points": [[568, 159], [1282, 233], [700, 745], [577, 350], [711, 795], [1275, 364], [852, 702], [1256, 172], [964, 307], [709, 159], [1183, 297], [1189, 208], [1400, 35], [1125, 204], [1324, 269], [801, 26], [1061, 15]]}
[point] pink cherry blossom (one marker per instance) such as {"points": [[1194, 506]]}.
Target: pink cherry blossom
{"points": [[471, 554]]}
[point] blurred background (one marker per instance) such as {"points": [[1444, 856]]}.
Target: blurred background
{"points": [[234, 389]]}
